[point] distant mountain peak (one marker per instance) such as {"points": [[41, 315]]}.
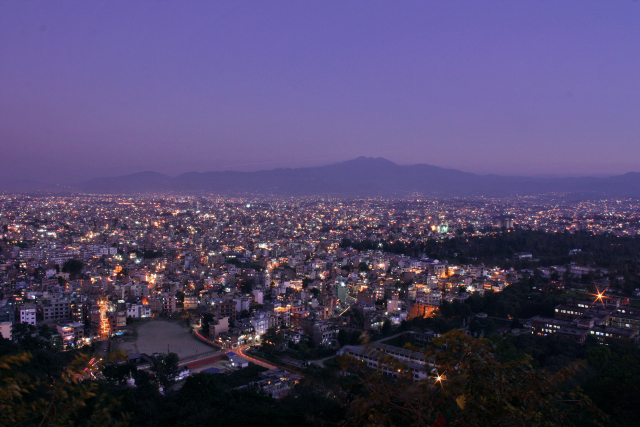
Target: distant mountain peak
{"points": [[365, 177], [373, 161]]}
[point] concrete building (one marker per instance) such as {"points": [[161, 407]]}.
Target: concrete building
{"points": [[56, 309], [28, 314], [218, 326], [408, 362], [190, 302], [168, 303], [260, 322], [72, 334]]}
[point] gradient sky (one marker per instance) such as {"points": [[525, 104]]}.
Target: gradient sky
{"points": [[516, 87]]}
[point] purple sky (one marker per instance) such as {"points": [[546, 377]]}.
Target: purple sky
{"points": [[516, 87]]}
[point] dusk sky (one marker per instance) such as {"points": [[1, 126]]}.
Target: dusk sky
{"points": [[94, 88]]}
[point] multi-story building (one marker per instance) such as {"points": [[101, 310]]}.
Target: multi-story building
{"points": [[79, 311], [72, 334], [226, 309], [56, 309], [242, 304], [218, 326], [322, 333], [27, 314], [376, 357], [117, 322], [190, 302], [625, 320], [168, 303], [603, 333], [137, 311], [260, 323], [544, 326]]}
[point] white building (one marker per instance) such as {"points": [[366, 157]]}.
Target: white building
{"points": [[260, 323], [242, 304], [258, 296], [28, 314], [138, 311]]}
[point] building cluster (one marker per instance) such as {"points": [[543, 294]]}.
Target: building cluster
{"points": [[276, 383], [392, 361], [604, 319], [237, 268]]}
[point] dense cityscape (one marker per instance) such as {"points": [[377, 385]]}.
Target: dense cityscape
{"points": [[319, 214], [275, 290]]}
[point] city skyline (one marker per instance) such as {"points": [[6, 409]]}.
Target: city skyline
{"points": [[324, 213], [106, 89]]}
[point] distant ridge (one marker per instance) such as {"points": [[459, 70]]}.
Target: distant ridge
{"points": [[364, 177]]}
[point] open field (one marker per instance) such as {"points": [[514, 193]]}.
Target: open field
{"points": [[160, 336]]}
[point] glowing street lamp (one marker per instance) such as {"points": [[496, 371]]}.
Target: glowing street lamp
{"points": [[439, 378], [600, 296]]}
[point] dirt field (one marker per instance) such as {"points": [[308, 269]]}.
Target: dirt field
{"points": [[160, 336]]}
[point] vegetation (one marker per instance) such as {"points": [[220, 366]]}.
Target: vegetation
{"points": [[521, 380], [206, 319], [148, 253], [72, 266], [474, 386], [621, 255], [251, 264], [165, 368], [515, 381]]}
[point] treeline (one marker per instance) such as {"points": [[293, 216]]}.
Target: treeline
{"points": [[518, 300], [517, 381], [601, 250], [520, 380], [611, 374], [40, 386], [620, 255]]}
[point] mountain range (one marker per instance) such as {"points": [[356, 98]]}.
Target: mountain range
{"points": [[361, 177]]}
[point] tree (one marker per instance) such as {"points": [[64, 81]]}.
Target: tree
{"points": [[72, 266], [27, 397], [271, 340], [473, 387], [165, 366], [247, 286], [386, 328], [446, 310], [343, 337], [119, 372], [357, 317], [356, 337], [206, 319], [180, 296]]}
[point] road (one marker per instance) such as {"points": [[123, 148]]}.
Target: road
{"points": [[240, 351]]}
